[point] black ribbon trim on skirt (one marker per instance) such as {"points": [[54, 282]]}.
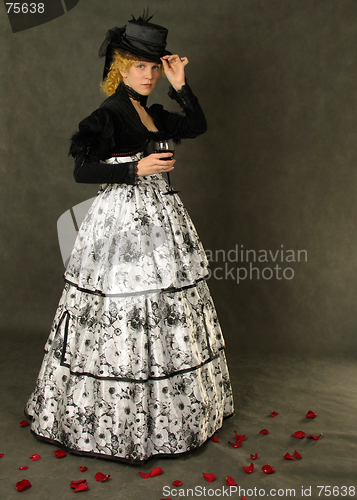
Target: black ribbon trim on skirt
{"points": [[144, 292], [141, 381]]}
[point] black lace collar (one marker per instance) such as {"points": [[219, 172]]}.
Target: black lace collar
{"points": [[135, 95]]}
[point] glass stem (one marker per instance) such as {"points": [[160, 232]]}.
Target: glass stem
{"points": [[168, 179]]}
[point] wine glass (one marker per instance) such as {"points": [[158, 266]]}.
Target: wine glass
{"points": [[166, 146]]}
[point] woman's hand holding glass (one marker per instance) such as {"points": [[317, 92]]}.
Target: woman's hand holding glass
{"points": [[155, 164]]}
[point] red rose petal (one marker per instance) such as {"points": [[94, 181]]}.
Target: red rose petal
{"points": [[23, 485], [249, 469], [239, 438], [315, 438], [74, 484], [157, 471], [83, 468], [230, 481], [23, 468], [214, 439], [35, 457], [264, 431], [268, 469], [310, 414], [177, 483], [144, 475], [101, 477], [1, 455], [287, 456], [209, 477], [59, 453], [81, 487], [298, 434], [254, 457], [236, 444], [274, 413], [297, 455], [24, 423]]}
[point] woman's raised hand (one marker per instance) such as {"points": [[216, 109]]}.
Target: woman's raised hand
{"points": [[174, 70], [154, 164]]}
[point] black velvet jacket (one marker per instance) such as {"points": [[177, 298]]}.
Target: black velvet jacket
{"points": [[115, 129]]}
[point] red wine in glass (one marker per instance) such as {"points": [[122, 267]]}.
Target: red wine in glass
{"points": [[166, 151]]}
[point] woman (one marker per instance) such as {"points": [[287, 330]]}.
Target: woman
{"points": [[134, 365]]}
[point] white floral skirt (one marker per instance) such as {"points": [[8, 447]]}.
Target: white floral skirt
{"points": [[134, 365]]}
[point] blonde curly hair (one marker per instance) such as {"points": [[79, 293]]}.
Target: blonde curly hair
{"points": [[121, 61]]}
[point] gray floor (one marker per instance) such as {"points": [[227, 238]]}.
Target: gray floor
{"points": [[289, 385]]}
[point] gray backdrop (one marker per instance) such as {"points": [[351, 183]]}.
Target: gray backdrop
{"points": [[275, 171]]}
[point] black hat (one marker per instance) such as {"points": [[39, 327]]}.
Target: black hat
{"points": [[139, 38]]}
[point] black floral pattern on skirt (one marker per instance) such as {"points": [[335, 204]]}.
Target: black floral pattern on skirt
{"points": [[134, 365]]}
